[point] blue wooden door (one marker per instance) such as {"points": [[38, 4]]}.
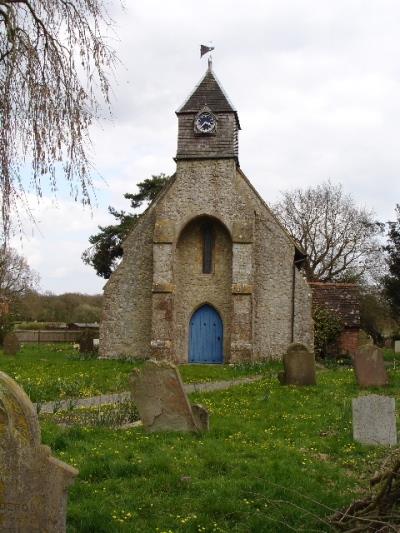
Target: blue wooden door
{"points": [[206, 336]]}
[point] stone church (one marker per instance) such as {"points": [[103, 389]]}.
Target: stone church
{"points": [[208, 273]]}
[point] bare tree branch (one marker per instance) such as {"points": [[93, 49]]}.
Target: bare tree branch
{"points": [[54, 65], [340, 240]]}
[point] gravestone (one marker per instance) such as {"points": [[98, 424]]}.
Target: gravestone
{"points": [[33, 484], [86, 341], [369, 367], [396, 346], [374, 420], [299, 364], [11, 344], [157, 390]]}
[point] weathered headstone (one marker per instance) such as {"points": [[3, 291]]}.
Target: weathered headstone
{"points": [[396, 346], [374, 420], [86, 344], [299, 364], [369, 367], [157, 390], [11, 344], [33, 484]]}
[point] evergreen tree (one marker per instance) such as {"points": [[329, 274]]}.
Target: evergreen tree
{"points": [[392, 279], [106, 246]]}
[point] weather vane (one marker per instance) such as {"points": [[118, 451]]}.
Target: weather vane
{"points": [[204, 50]]}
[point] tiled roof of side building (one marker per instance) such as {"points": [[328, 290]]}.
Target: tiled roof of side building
{"points": [[342, 298]]}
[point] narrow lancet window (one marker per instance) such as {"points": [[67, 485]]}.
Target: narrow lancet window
{"points": [[208, 246]]}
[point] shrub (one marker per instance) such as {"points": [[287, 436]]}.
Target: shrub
{"points": [[6, 325], [327, 328]]}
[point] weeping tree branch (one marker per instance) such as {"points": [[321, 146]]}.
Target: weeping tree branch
{"points": [[54, 66]]}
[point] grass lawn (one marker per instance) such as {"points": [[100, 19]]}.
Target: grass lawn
{"points": [[56, 371], [276, 459]]}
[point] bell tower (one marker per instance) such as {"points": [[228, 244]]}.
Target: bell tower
{"points": [[208, 123]]}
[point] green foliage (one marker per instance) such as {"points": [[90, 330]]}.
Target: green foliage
{"points": [[277, 465], [6, 325], [106, 246], [57, 371], [52, 308], [376, 315], [327, 328], [392, 280]]}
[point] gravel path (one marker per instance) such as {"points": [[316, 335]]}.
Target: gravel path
{"points": [[105, 399]]}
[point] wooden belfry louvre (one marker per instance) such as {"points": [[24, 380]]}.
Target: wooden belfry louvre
{"points": [[208, 247]]}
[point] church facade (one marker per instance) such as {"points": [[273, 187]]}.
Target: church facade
{"points": [[208, 273]]}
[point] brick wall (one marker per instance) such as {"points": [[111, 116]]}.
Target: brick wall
{"points": [[348, 341], [342, 299]]}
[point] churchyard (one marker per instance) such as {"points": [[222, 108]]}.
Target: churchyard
{"points": [[276, 458]]}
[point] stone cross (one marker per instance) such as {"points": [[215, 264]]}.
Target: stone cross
{"points": [[369, 367], [299, 364], [374, 420], [158, 392], [11, 344], [33, 484]]}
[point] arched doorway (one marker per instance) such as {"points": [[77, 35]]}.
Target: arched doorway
{"points": [[206, 336]]}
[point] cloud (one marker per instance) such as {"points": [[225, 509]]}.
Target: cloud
{"points": [[315, 82]]}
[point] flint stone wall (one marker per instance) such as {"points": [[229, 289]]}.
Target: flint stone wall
{"points": [[151, 296]]}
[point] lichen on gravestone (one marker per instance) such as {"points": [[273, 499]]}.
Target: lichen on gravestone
{"points": [[158, 393], [33, 484], [374, 420]]}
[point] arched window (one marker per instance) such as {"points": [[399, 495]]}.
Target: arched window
{"points": [[208, 247]]}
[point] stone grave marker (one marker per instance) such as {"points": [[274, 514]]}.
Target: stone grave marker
{"points": [[33, 484], [374, 420], [157, 390], [299, 364], [369, 367], [396, 346], [86, 341], [11, 344]]}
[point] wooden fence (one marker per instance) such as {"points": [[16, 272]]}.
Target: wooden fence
{"points": [[49, 336]]}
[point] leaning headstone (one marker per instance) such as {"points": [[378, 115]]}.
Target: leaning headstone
{"points": [[369, 367], [159, 395], [33, 484], [396, 346], [11, 344], [374, 420], [299, 364]]}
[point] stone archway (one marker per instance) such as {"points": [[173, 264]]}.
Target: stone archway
{"points": [[199, 279]]}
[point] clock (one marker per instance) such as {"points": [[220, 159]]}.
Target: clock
{"points": [[205, 122]]}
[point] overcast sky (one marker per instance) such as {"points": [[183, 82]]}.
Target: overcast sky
{"points": [[316, 84]]}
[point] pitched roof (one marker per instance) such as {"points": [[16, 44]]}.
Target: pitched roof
{"points": [[342, 298], [208, 92]]}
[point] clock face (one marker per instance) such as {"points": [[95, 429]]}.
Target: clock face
{"points": [[205, 122]]}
